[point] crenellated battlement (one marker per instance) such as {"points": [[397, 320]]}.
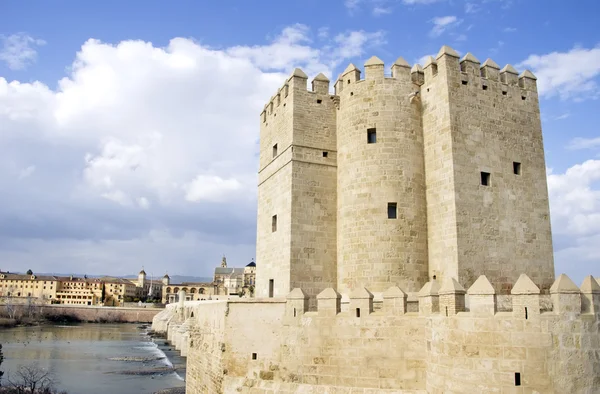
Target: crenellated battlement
{"points": [[451, 299]]}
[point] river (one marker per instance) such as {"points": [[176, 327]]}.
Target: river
{"points": [[95, 358]]}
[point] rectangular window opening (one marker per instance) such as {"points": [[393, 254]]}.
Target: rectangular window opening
{"points": [[484, 87], [274, 223], [325, 154], [319, 101], [275, 150], [504, 93], [371, 136], [254, 356], [516, 168], [485, 178], [526, 314], [271, 287], [465, 82], [392, 210], [523, 98], [357, 312], [517, 378], [294, 312]]}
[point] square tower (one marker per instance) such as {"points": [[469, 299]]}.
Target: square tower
{"points": [[296, 222], [487, 196]]}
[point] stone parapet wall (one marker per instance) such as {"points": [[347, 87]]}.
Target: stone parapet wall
{"points": [[276, 345]]}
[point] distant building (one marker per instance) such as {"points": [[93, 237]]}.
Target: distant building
{"points": [[147, 289], [70, 290], [229, 281]]}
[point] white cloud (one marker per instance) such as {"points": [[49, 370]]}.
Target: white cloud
{"points": [[354, 43], [26, 172], [442, 24], [509, 29], [378, 11], [471, 8], [211, 188], [569, 75], [583, 143], [575, 212], [18, 50], [139, 139]]}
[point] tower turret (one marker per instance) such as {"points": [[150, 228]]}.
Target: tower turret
{"points": [[381, 211]]}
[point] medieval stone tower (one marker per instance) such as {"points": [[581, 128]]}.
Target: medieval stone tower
{"points": [[431, 172]]}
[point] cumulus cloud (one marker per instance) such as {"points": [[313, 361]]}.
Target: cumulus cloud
{"points": [[575, 212], [143, 148], [442, 24], [19, 50], [568, 75]]}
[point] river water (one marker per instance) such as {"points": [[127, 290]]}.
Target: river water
{"points": [[95, 358]]}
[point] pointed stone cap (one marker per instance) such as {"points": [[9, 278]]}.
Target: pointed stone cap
{"points": [[429, 61], [469, 57], [374, 61], [296, 294], [416, 68], [509, 69], [401, 62], [328, 294], [564, 284], [361, 293], [451, 286], [525, 285], [299, 73], [491, 64], [482, 286], [590, 285], [351, 67], [394, 292], [527, 74], [446, 50], [430, 288], [321, 77]]}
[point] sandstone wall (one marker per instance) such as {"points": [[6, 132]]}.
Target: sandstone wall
{"points": [[264, 346], [502, 229], [314, 190], [375, 251]]}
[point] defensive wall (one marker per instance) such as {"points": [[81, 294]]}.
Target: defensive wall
{"points": [[89, 313], [457, 342]]}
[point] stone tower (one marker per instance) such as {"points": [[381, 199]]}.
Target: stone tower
{"points": [[296, 231], [433, 172], [142, 278]]}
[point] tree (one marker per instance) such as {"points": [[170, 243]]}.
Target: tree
{"points": [[32, 379], [29, 272]]}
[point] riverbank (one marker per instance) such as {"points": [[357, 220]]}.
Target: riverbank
{"points": [[44, 314]]}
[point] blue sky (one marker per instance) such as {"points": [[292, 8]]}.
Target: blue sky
{"points": [[128, 130]]}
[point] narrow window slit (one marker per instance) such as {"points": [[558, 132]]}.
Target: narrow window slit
{"points": [[254, 356], [485, 178], [357, 312], [484, 87], [371, 136], [517, 378], [392, 210], [319, 101], [325, 154], [465, 82], [516, 168]]}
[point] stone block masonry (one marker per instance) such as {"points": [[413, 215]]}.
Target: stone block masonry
{"points": [[432, 172], [278, 345]]}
